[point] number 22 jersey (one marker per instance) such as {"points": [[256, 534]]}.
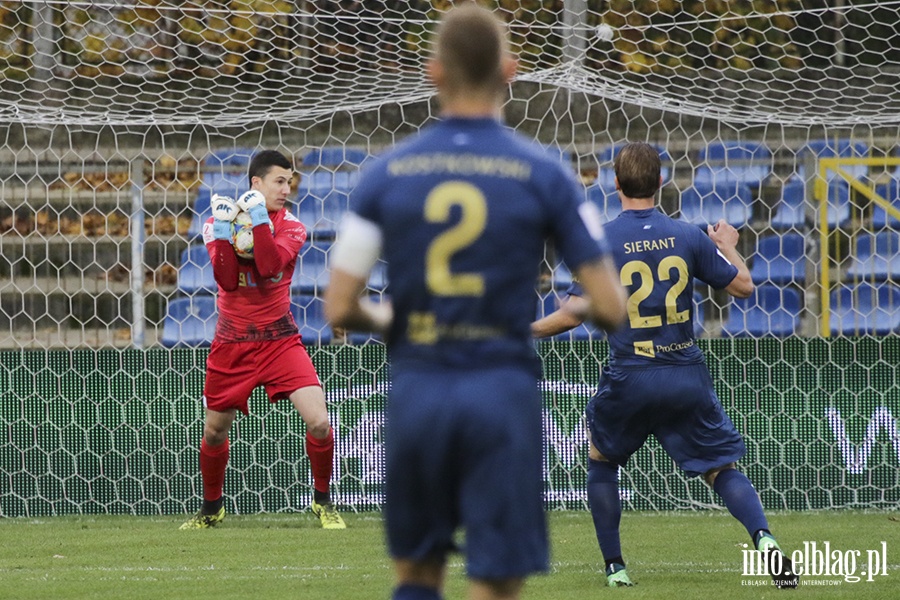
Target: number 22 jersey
{"points": [[658, 259]]}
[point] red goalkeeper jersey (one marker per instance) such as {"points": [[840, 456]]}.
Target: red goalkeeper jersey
{"points": [[259, 308]]}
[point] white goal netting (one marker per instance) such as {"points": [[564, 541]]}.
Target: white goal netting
{"points": [[119, 119]]}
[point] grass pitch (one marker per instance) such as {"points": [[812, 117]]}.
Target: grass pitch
{"points": [[694, 555]]}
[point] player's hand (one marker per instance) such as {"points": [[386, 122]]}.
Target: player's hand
{"points": [[723, 234], [254, 203], [223, 208]]}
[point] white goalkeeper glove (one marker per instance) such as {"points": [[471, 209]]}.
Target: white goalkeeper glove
{"points": [[254, 203], [224, 210]]}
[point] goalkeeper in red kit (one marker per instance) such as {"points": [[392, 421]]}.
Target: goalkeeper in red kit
{"points": [[257, 341]]}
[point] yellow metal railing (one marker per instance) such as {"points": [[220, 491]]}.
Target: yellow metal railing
{"points": [[820, 192]]}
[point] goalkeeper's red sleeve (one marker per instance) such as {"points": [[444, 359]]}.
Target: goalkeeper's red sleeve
{"points": [[225, 264], [270, 258]]}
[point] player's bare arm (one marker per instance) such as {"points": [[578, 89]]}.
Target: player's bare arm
{"points": [[346, 307], [600, 281], [354, 254], [571, 313], [726, 238]]}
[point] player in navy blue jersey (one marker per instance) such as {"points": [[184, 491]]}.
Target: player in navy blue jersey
{"points": [[657, 381], [461, 213]]}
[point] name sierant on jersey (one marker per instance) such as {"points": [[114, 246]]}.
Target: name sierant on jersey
{"points": [[666, 243]]}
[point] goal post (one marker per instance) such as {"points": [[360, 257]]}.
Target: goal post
{"points": [[868, 192], [119, 120]]}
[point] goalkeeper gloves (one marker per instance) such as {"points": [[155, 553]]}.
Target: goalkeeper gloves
{"points": [[224, 211], [254, 203]]}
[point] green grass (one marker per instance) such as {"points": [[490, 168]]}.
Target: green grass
{"points": [[690, 555]]}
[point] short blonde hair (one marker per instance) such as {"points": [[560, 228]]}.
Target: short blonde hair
{"points": [[471, 43]]}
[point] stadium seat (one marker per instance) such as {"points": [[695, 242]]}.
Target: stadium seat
{"points": [[769, 311], [865, 309], [606, 174], [190, 322], [309, 314], [333, 157], [838, 204], [780, 260], [560, 278], [229, 157], [605, 196], [703, 204], [311, 270], [877, 256], [826, 148], [698, 314], [746, 162], [195, 272], [790, 212], [378, 279], [890, 192], [321, 213], [563, 156], [227, 184]]}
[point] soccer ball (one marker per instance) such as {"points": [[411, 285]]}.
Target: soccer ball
{"points": [[242, 234]]}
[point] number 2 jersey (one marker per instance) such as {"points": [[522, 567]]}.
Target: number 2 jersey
{"points": [[259, 309], [464, 209], [658, 259]]}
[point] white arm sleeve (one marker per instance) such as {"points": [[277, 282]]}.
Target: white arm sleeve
{"points": [[358, 246]]}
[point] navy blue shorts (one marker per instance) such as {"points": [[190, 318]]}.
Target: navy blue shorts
{"points": [[677, 404], [463, 448]]}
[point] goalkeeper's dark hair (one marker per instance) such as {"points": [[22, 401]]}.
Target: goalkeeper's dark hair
{"points": [[262, 162], [637, 167]]}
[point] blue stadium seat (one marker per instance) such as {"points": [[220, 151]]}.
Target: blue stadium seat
{"points": [[865, 309], [746, 162], [309, 314], [195, 272], [890, 192], [229, 157], [838, 204], [315, 182], [227, 184], [321, 214], [699, 316], [769, 311], [378, 279], [703, 204], [190, 322], [563, 156], [334, 156], [605, 196], [606, 174], [877, 256], [827, 148], [790, 212], [780, 260], [311, 272], [322, 199], [560, 278]]}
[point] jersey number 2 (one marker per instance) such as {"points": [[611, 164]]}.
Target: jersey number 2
{"points": [[440, 279], [666, 265]]}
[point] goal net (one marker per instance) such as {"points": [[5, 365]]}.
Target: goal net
{"points": [[120, 119]]}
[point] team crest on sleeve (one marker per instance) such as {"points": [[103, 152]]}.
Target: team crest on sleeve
{"points": [[208, 233]]}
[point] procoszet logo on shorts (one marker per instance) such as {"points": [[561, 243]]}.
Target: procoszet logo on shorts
{"points": [[817, 564]]}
